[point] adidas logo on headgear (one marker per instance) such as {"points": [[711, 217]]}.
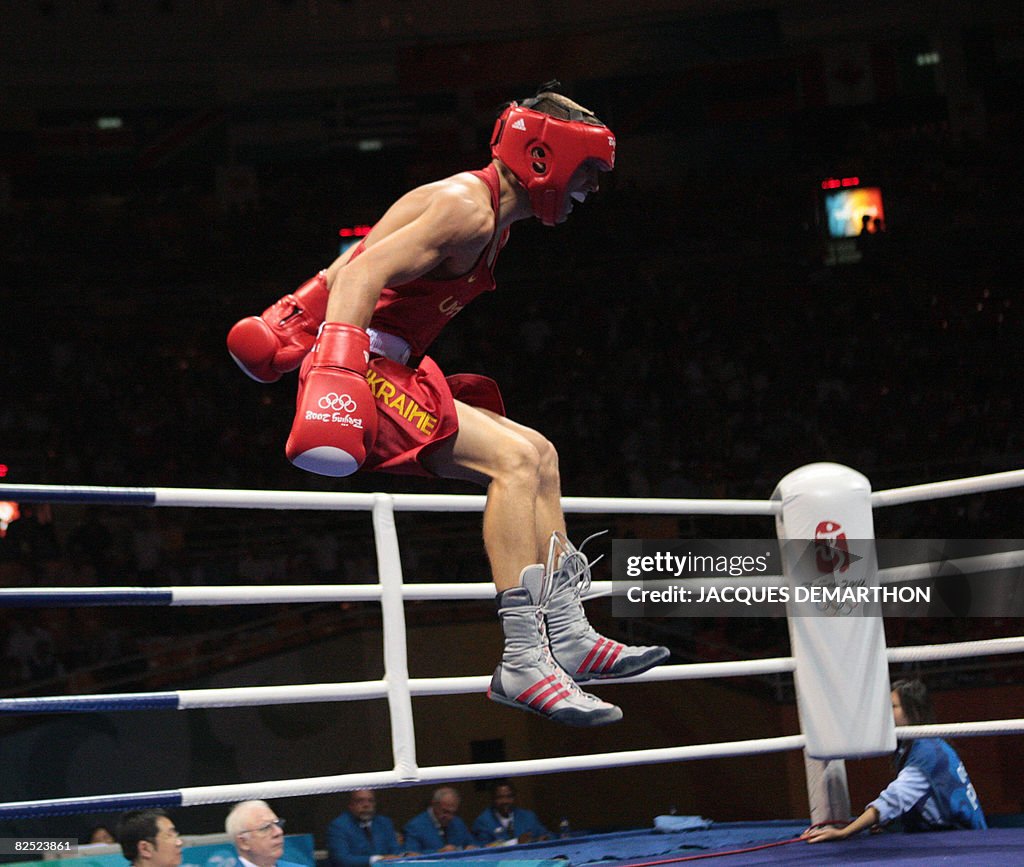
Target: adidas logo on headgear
{"points": [[519, 124]]}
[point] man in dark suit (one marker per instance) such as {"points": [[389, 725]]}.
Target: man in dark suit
{"points": [[359, 837], [504, 821], [438, 828]]}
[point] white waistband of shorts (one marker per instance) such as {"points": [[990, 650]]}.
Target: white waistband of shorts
{"points": [[389, 345]]}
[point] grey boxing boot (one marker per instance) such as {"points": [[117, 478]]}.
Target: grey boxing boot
{"points": [[527, 677], [584, 653]]}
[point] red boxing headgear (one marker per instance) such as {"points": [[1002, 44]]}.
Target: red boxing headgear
{"points": [[563, 146]]}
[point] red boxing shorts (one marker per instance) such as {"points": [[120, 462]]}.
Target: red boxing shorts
{"points": [[416, 411]]}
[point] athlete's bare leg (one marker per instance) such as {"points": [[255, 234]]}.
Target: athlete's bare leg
{"points": [[519, 467], [549, 516]]}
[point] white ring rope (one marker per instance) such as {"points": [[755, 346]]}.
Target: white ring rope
{"points": [[199, 795], [206, 498], [396, 656], [952, 488], [292, 593], [255, 696], [270, 790], [299, 593], [963, 730], [250, 696], [955, 650], [959, 566], [246, 499]]}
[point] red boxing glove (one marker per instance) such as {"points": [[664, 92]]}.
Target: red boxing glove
{"points": [[277, 340], [335, 415]]}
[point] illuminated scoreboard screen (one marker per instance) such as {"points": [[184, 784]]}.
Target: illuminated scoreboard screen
{"points": [[351, 235], [847, 203]]}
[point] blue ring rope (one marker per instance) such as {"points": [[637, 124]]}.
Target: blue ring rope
{"points": [[91, 703], [80, 598], [78, 494], [91, 804]]}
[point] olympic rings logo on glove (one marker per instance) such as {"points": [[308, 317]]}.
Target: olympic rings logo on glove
{"points": [[337, 402]]}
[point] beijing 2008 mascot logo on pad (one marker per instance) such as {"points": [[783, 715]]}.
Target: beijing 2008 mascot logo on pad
{"points": [[832, 553]]}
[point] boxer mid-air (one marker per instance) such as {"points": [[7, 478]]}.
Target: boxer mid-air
{"points": [[369, 398]]}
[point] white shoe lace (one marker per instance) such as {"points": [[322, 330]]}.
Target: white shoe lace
{"points": [[560, 673], [574, 562]]}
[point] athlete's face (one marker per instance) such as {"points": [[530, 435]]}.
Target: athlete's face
{"points": [[584, 181]]}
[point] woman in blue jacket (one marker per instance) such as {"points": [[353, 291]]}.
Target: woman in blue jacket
{"points": [[931, 792]]}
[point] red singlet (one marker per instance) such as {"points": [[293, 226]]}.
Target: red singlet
{"points": [[416, 405]]}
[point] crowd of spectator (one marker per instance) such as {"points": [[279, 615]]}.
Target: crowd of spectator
{"points": [[688, 341]]}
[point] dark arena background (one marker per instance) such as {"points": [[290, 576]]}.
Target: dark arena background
{"points": [[717, 316]]}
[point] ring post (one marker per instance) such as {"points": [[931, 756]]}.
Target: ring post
{"points": [[842, 676], [396, 662]]}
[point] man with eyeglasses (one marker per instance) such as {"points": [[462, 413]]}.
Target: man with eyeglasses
{"points": [[258, 834], [149, 839]]}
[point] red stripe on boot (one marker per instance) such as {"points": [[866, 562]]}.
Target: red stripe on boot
{"points": [[611, 659], [587, 659], [530, 690], [555, 699], [542, 697], [598, 663]]}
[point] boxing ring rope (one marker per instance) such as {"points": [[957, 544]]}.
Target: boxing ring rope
{"points": [[205, 498], [190, 699], [956, 650], [255, 696], [951, 488], [197, 795], [396, 685], [45, 597], [245, 499]]}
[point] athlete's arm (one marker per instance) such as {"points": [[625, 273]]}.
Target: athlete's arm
{"points": [[400, 249], [342, 260]]}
